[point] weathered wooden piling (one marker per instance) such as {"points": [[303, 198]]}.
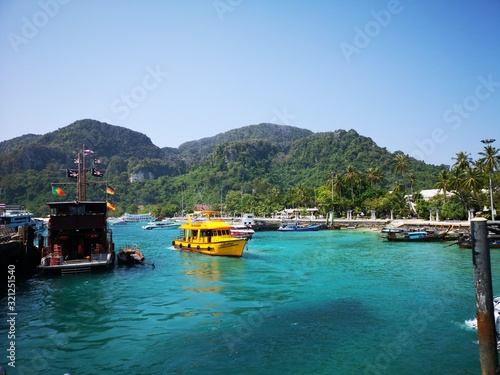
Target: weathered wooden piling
{"points": [[484, 297]]}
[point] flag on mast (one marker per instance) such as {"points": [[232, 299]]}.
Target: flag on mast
{"points": [[109, 190], [58, 191]]}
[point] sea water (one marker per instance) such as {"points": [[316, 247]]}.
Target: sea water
{"points": [[326, 302]]}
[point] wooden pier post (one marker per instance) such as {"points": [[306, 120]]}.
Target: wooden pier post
{"points": [[484, 297]]}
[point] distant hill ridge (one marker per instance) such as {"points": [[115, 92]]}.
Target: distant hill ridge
{"points": [[279, 155]]}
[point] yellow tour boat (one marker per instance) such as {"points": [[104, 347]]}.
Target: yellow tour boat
{"points": [[203, 234]]}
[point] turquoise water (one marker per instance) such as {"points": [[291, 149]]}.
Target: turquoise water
{"points": [[342, 302]]}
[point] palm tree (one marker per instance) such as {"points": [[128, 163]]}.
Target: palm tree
{"points": [[351, 176], [489, 163], [443, 182], [473, 180], [397, 187], [338, 184], [463, 161], [402, 162], [374, 176], [457, 186], [412, 179]]}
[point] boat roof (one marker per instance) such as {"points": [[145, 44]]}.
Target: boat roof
{"points": [[79, 207], [208, 223], [75, 203]]}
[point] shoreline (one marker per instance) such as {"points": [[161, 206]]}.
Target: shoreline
{"points": [[371, 224]]}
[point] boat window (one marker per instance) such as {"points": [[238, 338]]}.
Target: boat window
{"points": [[77, 210]]}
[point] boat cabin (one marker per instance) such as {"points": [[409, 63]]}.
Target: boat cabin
{"points": [[78, 230]]}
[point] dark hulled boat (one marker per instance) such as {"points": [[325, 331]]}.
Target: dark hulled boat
{"points": [[417, 236], [78, 237]]}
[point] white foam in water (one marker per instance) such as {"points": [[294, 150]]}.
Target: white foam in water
{"points": [[472, 323]]}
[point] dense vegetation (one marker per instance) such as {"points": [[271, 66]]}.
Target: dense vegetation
{"points": [[259, 168]]}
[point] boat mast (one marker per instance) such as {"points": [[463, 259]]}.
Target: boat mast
{"points": [[79, 181], [82, 176], [84, 186]]}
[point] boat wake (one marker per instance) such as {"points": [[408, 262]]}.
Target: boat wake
{"points": [[472, 323]]}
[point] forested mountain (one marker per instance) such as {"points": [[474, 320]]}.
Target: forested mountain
{"points": [[256, 160], [280, 135]]}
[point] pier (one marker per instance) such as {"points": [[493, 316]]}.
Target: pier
{"points": [[18, 249]]}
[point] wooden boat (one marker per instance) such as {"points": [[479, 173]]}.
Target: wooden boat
{"points": [[417, 236], [78, 237], [465, 242], [130, 254], [205, 235], [294, 226], [386, 231]]}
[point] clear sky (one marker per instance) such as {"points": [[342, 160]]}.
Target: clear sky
{"points": [[418, 76]]}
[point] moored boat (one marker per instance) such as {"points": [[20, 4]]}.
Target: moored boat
{"points": [[294, 226], [241, 230], [137, 218], [117, 221], [78, 237], [386, 231], [416, 236], [205, 235], [465, 242], [14, 217]]}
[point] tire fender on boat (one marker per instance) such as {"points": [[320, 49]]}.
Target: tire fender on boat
{"points": [[208, 248], [189, 246], [198, 247], [173, 243]]}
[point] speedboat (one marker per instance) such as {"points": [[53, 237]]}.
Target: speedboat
{"points": [[205, 235], [163, 224], [241, 230], [130, 254]]}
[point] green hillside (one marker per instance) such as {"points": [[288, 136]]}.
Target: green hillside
{"points": [[258, 168]]}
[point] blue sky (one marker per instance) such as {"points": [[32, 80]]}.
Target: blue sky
{"points": [[422, 77]]}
